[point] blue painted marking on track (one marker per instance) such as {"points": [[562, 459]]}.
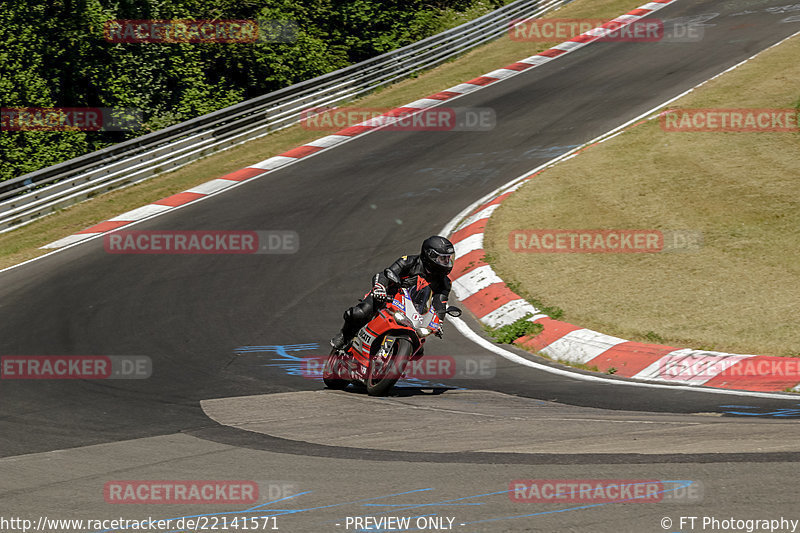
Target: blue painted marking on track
{"points": [[259, 506], [258, 510], [405, 504], [444, 502], [548, 152], [291, 364], [687, 483], [751, 410], [296, 365], [684, 484], [262, 512]]}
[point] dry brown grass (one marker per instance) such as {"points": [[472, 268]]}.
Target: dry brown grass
{"points": [[23, 244], [739, 292]]}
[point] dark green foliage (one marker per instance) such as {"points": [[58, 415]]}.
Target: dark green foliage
{"points": [[54, 54]]}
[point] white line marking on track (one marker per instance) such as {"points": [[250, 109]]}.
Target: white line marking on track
{"points": [[519, 181], [465, 330]]}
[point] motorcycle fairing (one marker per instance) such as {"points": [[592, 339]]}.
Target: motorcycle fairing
{"points": [[377, 337]]}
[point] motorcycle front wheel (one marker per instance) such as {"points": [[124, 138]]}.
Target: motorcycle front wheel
{"points": [[331, 372], [384, 371]]}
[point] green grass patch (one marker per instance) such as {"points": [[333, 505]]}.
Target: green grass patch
{"points": [[652, 336], [521, 327], [572, 364]]}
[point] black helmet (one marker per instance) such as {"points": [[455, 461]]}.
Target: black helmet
{"points": [[437, 255]]}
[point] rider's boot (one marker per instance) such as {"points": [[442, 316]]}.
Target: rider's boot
{"points": [[354, 319], [340, 342]]}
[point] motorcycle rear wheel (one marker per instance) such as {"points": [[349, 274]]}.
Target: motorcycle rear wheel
{"points": [[379, 381]]}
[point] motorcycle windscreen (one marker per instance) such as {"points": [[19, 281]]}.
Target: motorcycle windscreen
{"points": [[422, 298]]}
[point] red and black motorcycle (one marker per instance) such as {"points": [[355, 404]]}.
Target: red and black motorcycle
{"points": [[382, 349]]}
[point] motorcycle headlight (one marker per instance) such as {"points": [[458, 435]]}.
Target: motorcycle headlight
{"points": [[400, 318], [424, 332]]}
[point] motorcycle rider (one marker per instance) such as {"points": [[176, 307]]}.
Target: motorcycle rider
{"points": [[433, 264]]}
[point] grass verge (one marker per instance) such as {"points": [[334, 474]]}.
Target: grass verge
{"points": [[737, 292], [510, 332]]}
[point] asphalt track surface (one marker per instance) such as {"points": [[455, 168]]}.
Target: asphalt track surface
{"points": [[356, 208]]}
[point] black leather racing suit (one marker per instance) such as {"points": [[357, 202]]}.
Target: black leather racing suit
{"points": [[407, 268]]}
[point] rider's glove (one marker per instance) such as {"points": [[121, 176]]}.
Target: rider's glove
{"points": [[439, 331], [379, 293]]}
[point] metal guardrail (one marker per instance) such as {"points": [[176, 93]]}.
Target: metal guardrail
{"points": [[47, 190]]}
